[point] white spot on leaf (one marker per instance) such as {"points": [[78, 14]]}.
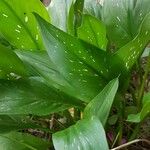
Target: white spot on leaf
{"points": [[26, 19]]}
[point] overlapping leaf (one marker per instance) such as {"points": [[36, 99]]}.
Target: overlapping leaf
{"points": [[123, 19], [93, 31], [59, 12], [14, 123], [93, 7], [32, 97], [143, 113], [39, 64], [21, 141], [82, 65], [18, 18], [86, 134], [129, 53], [100, 106], [11, 67]]}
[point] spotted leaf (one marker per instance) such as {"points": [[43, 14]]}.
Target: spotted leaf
{"points": [[82, 65], [86, 134], [11, 67], [129, 53], [39, 64], [18, 18], [123, 18], [93, 31]]}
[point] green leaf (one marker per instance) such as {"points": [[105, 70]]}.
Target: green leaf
{"points": [[39, 64], [21, 141], [140, 116], [93, 8], [146, 98], [93, 31], [146, 52], [129, 53], [145, 111], [70, 21], [32, 97], [59, 13], [86, 134], [11, 67], [14, 123], [113, 119], [18, 18], [123, 18], [83, 66], [100, 106], [78, 10]]}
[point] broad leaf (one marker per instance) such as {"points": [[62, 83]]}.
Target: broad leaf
{"points": [[18, 18], [93, 31], [83, 66], [128, 54], [11, 67], [39, 64], [86, 134], [100, 106], [21, 141], [59, 13], [93, 7], [14, 123], [123, 19], [32, 97]]}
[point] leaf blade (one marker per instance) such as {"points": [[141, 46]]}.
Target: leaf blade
{"points": [[100, 106], [86, 134], [18, 17]]}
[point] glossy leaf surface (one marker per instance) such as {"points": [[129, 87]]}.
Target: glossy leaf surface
{"points": [[18, 18], [83, 66], [93, 31], [59, 13], [123, 19], [86, 134], [93, 7], [128, 54], [100, 106], [32, 97], [39, 64], [21, 141], [11, 67]]}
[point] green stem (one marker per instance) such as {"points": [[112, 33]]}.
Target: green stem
{"points": [[141, 91], [140, 97], [121, 109], [135, 132]]}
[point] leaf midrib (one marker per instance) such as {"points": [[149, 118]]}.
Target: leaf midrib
{"points": [[27, 30]]}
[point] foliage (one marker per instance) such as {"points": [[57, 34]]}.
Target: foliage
{"points": [[73, 60]]}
